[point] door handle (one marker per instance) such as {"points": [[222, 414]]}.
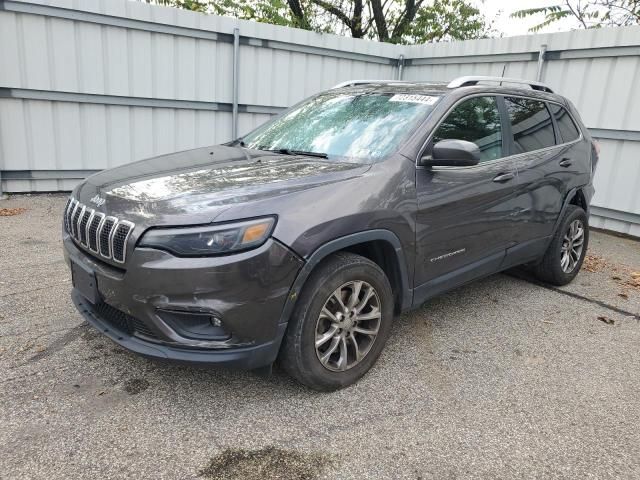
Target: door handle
{"points": [[565, 162], [504, 177]]}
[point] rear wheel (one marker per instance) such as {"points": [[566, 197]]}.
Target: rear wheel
{"points": [[340, 324], [566, 252]]}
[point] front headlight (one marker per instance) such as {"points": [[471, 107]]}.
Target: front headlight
{"points": [[210, 240]]}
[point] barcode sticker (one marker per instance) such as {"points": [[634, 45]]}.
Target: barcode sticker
{"points": [[426, 99]]}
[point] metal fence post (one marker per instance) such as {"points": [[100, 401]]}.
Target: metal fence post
{"points": [[400, 67], [541, 57], [236, 65]]}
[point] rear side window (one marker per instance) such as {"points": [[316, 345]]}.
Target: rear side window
{"points": [[531, 124], [475, 120], [568, 130]]}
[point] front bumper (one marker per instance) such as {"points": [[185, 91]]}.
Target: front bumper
{"points": [[246, 291]]}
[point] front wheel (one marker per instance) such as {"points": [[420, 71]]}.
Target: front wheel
{"points": [[566, 252], [340, 324]]}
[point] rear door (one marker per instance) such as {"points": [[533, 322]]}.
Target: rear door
{"points": [[575, 152], [465, 214], [545, 163]]}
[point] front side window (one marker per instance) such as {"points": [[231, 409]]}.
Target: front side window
{"points": [[475, 120], [358, 127], [568, 130], [531, 124]]}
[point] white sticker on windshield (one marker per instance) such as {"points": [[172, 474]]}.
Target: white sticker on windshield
{"points": [[426, 99]]}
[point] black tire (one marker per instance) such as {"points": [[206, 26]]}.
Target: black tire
{"points": [[549, 269], [298, 353]]}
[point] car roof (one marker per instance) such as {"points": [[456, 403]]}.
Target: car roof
{"points": [[439, 88], [534, 90]]}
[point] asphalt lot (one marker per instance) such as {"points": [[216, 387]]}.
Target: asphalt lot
{"points": [[503, 378]]}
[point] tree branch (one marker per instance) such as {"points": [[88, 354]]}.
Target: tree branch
{"points": [[356, 20], [380, 21], [334, 11], [577, 13], [298, 13], [410, 11]]}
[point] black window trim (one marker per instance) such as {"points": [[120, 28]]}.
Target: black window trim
{"points": [[507, 133], [511, 142], [505, 124], [556, 130], [557, 127], [425, 145]]}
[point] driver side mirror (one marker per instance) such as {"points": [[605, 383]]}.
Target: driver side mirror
{"points": [[452, 153]]}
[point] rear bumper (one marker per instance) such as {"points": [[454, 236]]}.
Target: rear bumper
{"points": [[149, 307]]}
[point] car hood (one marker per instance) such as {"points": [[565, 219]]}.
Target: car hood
{"points": [[195, 186]]}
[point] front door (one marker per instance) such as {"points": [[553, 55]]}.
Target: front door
{"points": [[465, 218]]}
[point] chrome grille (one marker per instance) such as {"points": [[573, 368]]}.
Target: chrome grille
{"points": [[120, 234], [103, 235], [68, 213], [74, 219], [66, 217], [92, 232], [82, 227]]}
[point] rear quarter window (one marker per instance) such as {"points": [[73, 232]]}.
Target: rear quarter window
{"points": [[531, 124], [568, 130]]}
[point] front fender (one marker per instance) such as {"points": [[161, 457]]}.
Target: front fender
{"points": [[312, 260]]}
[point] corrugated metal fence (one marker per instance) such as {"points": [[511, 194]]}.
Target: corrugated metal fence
{"points": [[86, 85]]}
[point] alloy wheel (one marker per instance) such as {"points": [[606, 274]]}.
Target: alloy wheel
{"points": [[347, 326], [572, 245]]}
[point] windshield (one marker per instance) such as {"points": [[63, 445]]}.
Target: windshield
{"points": [[359, 127]]}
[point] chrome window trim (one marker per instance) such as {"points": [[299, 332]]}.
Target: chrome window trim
{"points": [[125, 240], [508, 157], [100, 214]]}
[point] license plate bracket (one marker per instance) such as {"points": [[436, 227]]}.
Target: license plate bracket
{"points": [[84, 280]]}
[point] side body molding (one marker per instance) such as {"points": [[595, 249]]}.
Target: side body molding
{"points": [[340, 244]]}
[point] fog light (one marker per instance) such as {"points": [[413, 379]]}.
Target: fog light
{"points": [[195, 325]]}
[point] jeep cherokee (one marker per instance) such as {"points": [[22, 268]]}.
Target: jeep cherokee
{"points": [[302, 240]]}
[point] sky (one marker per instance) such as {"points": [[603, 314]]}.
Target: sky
{"points": [[500, 10]]}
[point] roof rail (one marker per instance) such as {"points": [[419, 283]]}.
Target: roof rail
{"points": [[351, 83], [474, 80]]}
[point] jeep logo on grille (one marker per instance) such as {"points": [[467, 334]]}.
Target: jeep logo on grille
{"points": [[98, 200]]}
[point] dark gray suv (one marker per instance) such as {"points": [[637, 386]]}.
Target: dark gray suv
{"points": [[303, 239]]}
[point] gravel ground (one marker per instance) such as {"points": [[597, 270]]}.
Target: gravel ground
{"points": [[503, 378]]}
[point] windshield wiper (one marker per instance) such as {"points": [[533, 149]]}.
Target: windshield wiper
{"points": [[287, 151]]}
